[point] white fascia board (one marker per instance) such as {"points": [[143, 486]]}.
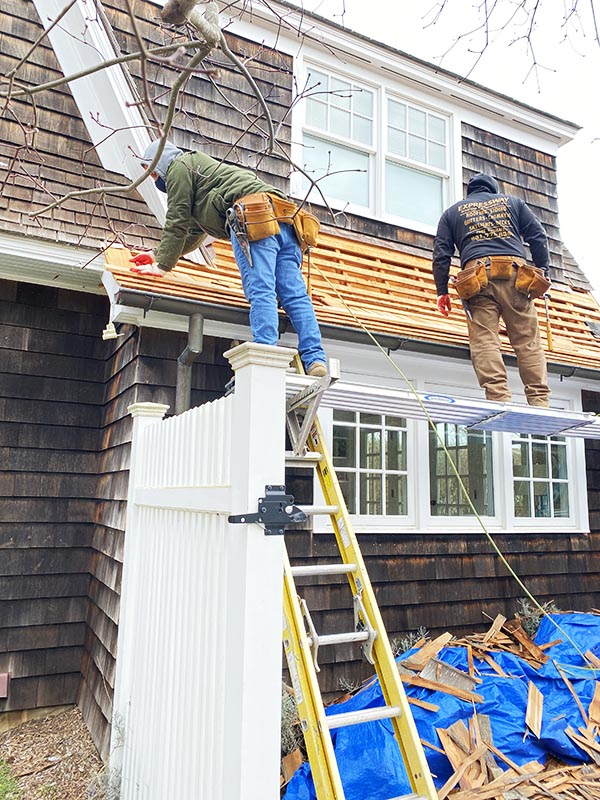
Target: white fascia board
{"points": [[80, 42], [378, 59], [121, 314], [28, 260]]}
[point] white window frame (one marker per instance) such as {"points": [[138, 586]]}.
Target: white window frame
{"points": [[378, 152]]}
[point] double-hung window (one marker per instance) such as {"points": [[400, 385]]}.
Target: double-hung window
{"points": [[339, 137], [416, 163], [373, 151]]}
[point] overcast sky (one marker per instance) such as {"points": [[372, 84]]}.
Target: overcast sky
{"points": [[567, 83]]}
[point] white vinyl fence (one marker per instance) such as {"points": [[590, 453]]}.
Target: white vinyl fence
{"points": [[198, 681]]}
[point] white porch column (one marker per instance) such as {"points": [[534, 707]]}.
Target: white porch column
{"points": [[253, 639], [144, 415]]}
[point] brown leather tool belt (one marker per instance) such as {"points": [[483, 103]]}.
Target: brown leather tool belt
{"points": [[474, 276], [261, 213]]}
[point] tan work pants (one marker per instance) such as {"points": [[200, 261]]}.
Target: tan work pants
{"points": [[501, 299]]}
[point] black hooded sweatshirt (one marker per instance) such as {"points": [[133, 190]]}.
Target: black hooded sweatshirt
{"points": [[487, 223]]}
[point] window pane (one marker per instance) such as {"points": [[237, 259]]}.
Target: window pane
{"points": [[370, 449], [560, 496], [413, 194], [395, 450], [539, 455], [342, 97], [417, 121], [344, 446], [370, 419], [522, 499], [343, 416], [520, 459], [397, 114], [347, 481], [541, 499], [417, 148], [370, 494], [362, 102], [437, 155], [559, 461], [437, 129], [339, 122], [316, 114], [350, 182], [397, 142], [317, 81], [395, 498], [395, 422], [363, 130]]}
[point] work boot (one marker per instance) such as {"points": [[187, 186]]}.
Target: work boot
{"points": [[317, 370]]}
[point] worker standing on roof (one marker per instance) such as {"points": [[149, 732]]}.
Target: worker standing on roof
{"points": [[488, 230], [209, 197]]}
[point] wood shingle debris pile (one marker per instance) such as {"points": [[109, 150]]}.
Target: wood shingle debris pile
{"points": [[468, 744], [477, 775], [500, 716]]}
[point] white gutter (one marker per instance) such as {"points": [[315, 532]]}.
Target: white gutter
{"points": [[50, 264]]}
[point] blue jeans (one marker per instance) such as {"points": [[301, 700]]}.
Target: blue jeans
{"points": [[276, 273]]}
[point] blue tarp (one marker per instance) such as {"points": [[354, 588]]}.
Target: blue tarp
{"points": [[368, 757]]}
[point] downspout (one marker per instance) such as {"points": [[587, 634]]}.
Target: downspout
{"points": [[183, 390]]}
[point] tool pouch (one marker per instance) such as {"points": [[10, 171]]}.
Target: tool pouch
{"points": [[531, 281], [307, 228], [501, 267], [256, 213], [306, 225], [470, 282]]}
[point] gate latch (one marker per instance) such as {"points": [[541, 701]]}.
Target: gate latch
{"points": [[276, 510]]}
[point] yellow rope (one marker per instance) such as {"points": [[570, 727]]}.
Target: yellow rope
{"points": [[476, 514]]}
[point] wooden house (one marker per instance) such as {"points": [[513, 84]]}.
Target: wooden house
{"points": [[402, 138]]}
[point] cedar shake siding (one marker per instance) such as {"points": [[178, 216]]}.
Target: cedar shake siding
{"points": [[51, 395], [65, 441]]}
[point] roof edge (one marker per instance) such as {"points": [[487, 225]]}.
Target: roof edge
{"points": [[239, 316]]}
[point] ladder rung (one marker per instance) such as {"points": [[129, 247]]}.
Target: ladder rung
{"points": [[366, 715], [409, 797], [340, 638], [310, 510], [308, 460], [323, 569]]}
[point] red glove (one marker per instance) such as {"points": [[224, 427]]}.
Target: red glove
{"points": [[444, 304], [143, 258]]}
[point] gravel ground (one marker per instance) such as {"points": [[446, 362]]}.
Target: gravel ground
{"points": [[52, 758]]}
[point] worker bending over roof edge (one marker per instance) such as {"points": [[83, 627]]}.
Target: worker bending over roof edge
{"points": [[268, 234]]}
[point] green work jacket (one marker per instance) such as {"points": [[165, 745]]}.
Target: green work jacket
{"points": [[200, 189]]}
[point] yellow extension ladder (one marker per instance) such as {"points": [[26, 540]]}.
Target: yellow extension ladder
{"points": [[301, 640]]}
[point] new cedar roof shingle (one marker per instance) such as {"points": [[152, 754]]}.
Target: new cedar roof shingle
{"points": [[388, 291]]}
